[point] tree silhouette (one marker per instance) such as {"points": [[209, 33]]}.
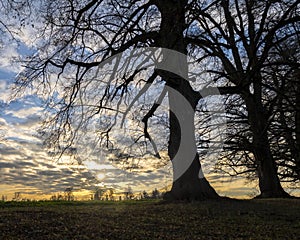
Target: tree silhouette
{"points": [[285, 126], [99, 193], [4, 198], [279, 98], [240, 39], [231, 41], [81, 36], [17, 196], [69, 194], [155, 194], [129, 193]]}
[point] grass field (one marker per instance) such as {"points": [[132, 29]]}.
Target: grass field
{"points": [[226, 219]]}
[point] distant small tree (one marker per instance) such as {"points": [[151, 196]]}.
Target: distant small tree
{"points": [[111, 194], [69, 194], [17, 196], [60, 197], [155, 193], [129, 194], [98, 193], [145, 195], [53, 198], [3, 198]]}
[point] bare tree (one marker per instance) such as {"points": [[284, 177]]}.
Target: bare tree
{"points": [[231, 41], [17, 196], [129, 193], [69, 194], [99, 193], [280, 84], [285, 126], [239, 36], [155, 194], [78, 38], [4, 198]]}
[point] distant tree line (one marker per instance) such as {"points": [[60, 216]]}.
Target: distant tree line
{"points": [[66, 196], [110, 195]]}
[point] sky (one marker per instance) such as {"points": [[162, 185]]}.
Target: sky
{"points": [[28, 168]]}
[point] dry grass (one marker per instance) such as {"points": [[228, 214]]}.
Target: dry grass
{"points": [[226, 219]]}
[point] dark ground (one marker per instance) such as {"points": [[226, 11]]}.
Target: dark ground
{"points": [[226, 219]]}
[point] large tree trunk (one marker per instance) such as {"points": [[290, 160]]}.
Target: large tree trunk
{"points": [[189, 182], [297, 123], [269, 183], [188, 179], [291, 133]]}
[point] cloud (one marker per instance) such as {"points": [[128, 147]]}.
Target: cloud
{"points": [[24, 162], [38, 173], [8, 53], [26, 167]]}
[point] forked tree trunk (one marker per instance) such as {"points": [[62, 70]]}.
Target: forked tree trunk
{"points": [[189, 182], [182, 145]]}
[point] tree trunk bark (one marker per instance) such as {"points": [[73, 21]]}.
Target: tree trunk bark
{"points": [[189, 182], [269, 182]]}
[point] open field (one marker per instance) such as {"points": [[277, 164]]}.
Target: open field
{"points": [[226, 219]]}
